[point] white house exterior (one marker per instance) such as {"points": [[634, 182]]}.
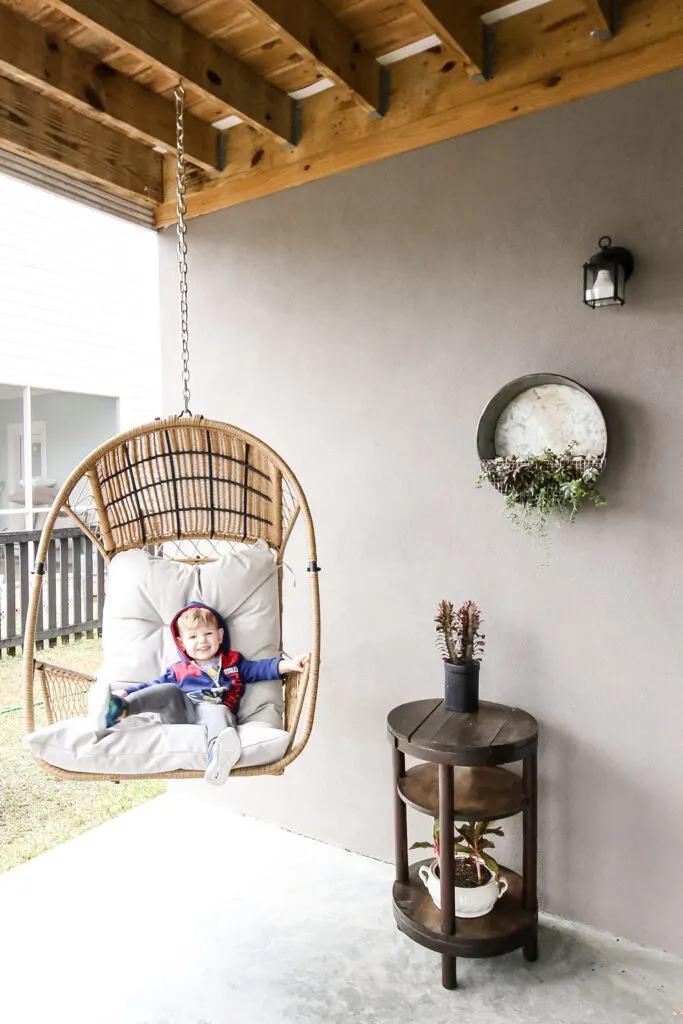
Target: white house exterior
{"points": [[79, 338]]}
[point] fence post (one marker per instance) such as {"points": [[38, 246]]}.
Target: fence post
{"points": [[64, 585], [78, 616], [100, 590], [89, 616], [40, 624], [23, 580], [52, 590], [10, 593]]}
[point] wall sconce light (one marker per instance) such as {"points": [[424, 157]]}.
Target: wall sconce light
{"points": [[605, 274]]}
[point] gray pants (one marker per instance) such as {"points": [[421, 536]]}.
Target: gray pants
{"points": [[168, 701]]}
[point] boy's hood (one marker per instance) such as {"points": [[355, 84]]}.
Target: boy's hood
{"points": [[225, 646]]}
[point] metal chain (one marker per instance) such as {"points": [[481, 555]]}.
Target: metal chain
{"points": [[181, 209]]}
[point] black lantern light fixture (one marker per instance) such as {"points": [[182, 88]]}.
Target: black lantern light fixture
{"points": [[605, 275]]}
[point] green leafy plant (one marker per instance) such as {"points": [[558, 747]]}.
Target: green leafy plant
{"points": [[472, 840], [434, 845], [537, 487], [458, 635], [475, 843]]}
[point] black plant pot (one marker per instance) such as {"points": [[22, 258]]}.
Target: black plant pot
{"points": [[462, 687]]}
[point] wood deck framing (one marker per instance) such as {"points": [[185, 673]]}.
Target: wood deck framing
{"points": [[86, 86]]}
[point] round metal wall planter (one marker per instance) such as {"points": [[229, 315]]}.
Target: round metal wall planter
{"points": [[540, 411]]}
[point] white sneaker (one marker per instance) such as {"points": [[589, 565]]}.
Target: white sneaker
{"points": [[224, 753]]}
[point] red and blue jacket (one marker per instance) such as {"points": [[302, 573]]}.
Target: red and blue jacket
{"points": [[236, 671]]}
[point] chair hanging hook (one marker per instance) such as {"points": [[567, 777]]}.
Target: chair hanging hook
{"points": [[181, 228]]}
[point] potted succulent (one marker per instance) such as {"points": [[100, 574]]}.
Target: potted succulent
{"points": [[478, 885], [538, 487], [461, 643]]}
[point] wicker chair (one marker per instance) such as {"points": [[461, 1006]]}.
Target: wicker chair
{"points": [[187, 488]]}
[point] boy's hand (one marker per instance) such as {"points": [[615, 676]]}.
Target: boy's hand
{"points": [[295, 664]]}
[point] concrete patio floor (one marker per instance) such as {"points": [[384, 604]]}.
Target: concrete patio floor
{"points": [[267, 927]]}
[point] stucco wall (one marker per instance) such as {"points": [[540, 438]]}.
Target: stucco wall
{"points": [[359, 325]]}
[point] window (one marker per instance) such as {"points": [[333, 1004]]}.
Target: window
{"points": [[73, 423], [15, 458]]}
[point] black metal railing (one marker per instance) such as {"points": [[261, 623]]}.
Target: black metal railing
{"points": [[73, 587]]}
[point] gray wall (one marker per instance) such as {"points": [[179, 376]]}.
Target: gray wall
{"points": [[359, 325]]}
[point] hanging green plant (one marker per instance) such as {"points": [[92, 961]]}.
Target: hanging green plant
{"points": [[537, 487]]}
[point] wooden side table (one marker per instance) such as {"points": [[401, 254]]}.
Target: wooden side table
{"points": [[463, 781]]}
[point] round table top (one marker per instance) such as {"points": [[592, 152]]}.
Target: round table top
{"points": [[495, 734]]}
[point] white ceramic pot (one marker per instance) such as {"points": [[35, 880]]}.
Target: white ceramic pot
{"points": [[473, 902]]}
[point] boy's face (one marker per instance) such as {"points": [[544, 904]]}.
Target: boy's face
{"points": [[202, 642]]}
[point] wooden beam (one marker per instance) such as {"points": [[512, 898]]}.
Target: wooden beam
{"points": [[458, 26], [603, 16], [309, 25], [534, 71], [30, 54], [50, 133], [156, 35]]}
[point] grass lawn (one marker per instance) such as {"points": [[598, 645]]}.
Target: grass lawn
{"points": [[37, 811]]}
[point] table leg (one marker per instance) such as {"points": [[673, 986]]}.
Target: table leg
{"points": [[449, 977], [400, 823], [529, 839], [447, 869]]}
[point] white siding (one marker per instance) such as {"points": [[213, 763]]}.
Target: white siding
{"points": [[78, 301]]}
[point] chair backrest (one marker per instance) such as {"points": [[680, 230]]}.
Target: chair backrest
{"points": [[183, 480]]}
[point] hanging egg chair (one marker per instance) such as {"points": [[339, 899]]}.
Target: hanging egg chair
{"points": [[188, 489]]}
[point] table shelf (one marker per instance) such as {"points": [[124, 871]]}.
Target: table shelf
{"points": [[478, 792], [461, 779], [508, 926]]}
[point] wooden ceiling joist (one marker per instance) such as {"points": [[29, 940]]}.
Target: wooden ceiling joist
{"points": [[430, 103], [310, 25], [30, 54], [460, 28], [151, 31], [88, 84], [33, 126]]}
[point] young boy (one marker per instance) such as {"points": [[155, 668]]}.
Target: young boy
{"points": [[203, 688]]}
